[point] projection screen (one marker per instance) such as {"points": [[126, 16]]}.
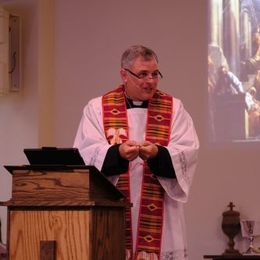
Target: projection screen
{"points": [[234, 70]]}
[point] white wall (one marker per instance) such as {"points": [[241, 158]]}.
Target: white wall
{"points": [[19, 111], [26, 117], [79, 57], [90, 37]]}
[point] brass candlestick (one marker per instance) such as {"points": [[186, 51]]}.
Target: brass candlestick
{"points": [[231, 227]]}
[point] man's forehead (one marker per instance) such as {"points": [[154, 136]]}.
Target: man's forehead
{"points": [[145, 62]]}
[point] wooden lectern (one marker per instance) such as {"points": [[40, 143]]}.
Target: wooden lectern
{"points": [[68, 213]]}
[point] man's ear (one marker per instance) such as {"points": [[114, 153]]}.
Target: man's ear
{"points": [[123, 74]]}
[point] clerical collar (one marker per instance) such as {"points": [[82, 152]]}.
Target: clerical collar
{"points": [[135, 104]]}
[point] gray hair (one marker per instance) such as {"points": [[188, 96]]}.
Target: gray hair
{"points": [[134, 52]]}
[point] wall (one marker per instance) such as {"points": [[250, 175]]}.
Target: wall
{"points": [[26, 116], [71, 53], [19, 111], [88, 61]]}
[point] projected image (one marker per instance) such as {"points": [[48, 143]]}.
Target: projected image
{"points": [[234, 70]]}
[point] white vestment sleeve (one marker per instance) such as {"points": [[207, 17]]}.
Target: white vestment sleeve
{"points": [[90, 138], [183, 148]]}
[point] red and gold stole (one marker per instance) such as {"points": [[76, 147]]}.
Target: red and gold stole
{"points": [[157, 131]]}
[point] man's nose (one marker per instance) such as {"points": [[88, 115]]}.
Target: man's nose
{"points": [[150, 77]]}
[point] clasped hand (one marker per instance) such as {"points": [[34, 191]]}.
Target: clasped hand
{"points": [[130, 150]]}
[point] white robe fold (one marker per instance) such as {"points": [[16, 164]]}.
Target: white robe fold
{"points": [[183, 148]]}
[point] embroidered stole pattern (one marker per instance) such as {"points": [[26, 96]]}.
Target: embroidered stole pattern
{"points": [[157, 131]]}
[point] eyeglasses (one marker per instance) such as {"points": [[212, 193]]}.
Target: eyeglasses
{"points": [[145, 75]]}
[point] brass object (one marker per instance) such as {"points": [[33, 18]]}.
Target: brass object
{"points": [[231, 227]]}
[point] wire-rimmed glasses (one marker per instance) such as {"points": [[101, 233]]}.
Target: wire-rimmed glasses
{"points": [[145, 74]]}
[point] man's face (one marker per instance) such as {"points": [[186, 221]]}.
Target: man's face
{"points": [[143, 88]]}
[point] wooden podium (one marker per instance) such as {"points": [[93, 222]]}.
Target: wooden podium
{"points": [[64, 213]]}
